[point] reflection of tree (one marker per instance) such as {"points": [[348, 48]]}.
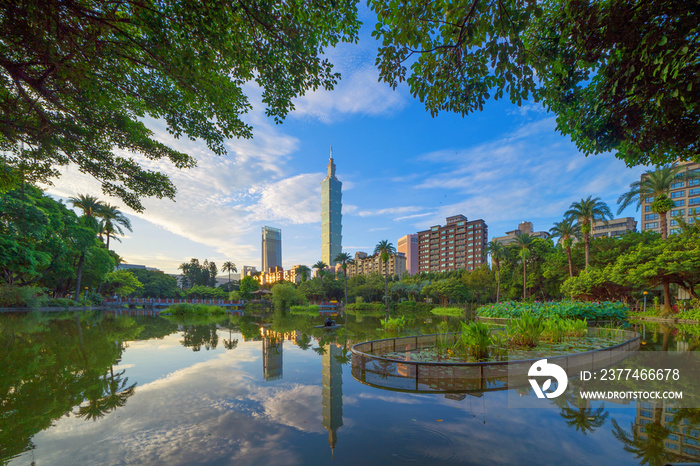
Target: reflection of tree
{"points": [[304, 342], [385, 368], [49, 369], [196, 336], [230, 343], [585, 419], [651, 449]]}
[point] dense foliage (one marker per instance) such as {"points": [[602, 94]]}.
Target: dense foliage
{"points": [[78, 79], [564, 309]]}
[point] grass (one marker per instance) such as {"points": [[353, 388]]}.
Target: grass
{"points": [[448, 311]]}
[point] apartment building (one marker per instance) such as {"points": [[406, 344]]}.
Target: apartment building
{"points": [[523, 228], [365, 264], [686, 203], [460, 244], [615, 227], [408, 246]]}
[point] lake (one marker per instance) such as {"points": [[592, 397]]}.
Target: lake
{"points": [[99, 388]]}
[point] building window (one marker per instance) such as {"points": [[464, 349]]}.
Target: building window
{"points": [[677, 185], [680, 203], [694, 211], [695, 182], [674, 223], [674, 231], [694, 192], [649, 200], [693, 201], [676, 212], [677, 194], [651, 216], [647, 208], [648, 226]]}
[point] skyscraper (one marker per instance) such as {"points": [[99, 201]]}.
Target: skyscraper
{"points": [[271, 248], [331, 217], [408, 245]]}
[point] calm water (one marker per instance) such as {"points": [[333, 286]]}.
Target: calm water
{"points": [[104, 389]]}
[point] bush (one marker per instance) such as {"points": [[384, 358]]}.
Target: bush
{"points": [[366, 309], [60, 302], [414, 306], [565, 309], [525, 330], [21, 296], [285, 295], [311, 309]]}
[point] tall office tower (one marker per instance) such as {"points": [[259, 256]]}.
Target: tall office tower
{"points": [[408, 245], [460, 244], [271, 248], [332, 392], [331, 217]]}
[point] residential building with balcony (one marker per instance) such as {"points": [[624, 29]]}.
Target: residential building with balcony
{"points": [[615, 227], [686, 203], [365, 264], [524, 227], [460, 244]]}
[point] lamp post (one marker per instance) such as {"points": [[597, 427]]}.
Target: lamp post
{"points": [[645, 301]]}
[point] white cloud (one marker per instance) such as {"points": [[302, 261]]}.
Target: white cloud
{"points": [[294, 199], [389, 210]]}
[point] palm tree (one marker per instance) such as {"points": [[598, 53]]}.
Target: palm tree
{"points": [[498, 253], [585, 213], [303, 271], [567, 230], [656, 184], [343, 258], [90, 205], [229, 267], [524, 241], [91, 208], [385, 250], [320, 266], [112, 221]]}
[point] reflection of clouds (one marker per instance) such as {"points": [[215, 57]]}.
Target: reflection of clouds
{"points": [[298, 407], [401, 399]]}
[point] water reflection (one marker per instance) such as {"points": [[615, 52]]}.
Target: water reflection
{"points": [[135, 387]]}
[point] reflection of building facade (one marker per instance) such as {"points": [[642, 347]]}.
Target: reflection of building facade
{"points": [[686, 202], [523, 228], [408, 246], [460, 244], [365, 265], [683, 441], [332, 392], [271, 248], [331, 216], [273, 351]]}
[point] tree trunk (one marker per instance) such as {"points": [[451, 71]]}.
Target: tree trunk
{"points": [[386, 291], [664, 229], [524, 280], [667, 297], [498, 286], [78, 275], [571, 266], [108, 241], [586, 241], [345, 279]]}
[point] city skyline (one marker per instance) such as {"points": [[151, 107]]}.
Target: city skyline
{"points": [[407, 171]]}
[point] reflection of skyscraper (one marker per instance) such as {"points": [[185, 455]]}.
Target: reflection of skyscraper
{"points": [[332, 392], [654, 425], [271, 248], [331, 216], [272, 356]]}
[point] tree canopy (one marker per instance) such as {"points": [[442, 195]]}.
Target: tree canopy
{"points": [[78, 78], [620, 76]]}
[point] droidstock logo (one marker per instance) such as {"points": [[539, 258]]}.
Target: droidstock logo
{"points": [[542, 368]]}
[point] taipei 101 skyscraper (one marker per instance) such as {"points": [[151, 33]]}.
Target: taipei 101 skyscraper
{"points": [[331, 216]]}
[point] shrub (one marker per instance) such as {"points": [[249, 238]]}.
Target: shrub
{"points": [[394, 324], [60, 302], [311, 309], [285, 295], [21, 296], [414, 306]]}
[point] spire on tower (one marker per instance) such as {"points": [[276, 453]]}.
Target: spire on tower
{"points": [[331, 165]]}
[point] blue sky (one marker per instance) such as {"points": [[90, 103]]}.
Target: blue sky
{"points": [[402, 171]]}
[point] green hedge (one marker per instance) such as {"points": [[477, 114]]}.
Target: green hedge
{"points": [[365, 307], [565, 309], [448, 311], [414, 306], [185, 309]]}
